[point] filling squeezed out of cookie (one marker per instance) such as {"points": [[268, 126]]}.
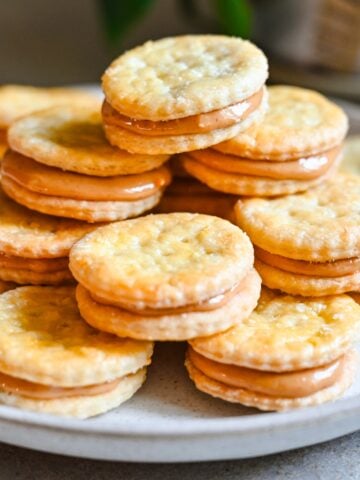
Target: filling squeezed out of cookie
{"points": [[294, 384], [52, 181], [296, 169], [38, 391], [207, 305], [337, 268], [202, 123]]}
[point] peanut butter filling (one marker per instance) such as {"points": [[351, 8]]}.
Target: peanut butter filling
{"points": [[38, 391], [296, 169], [202, 123], [337, 268], [295, 384], [51, 181], [207, 305], [3, 142], [3, 136], [34, 264]]}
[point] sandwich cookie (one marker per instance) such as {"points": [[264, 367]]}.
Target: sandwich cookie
{"points": [[60, 163], [296, 146], [51, 361], [19, 100], [165, 277], [307, 244], [289, 353], [183, 93], [34, 248]]}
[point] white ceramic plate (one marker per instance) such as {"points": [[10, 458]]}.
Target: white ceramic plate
{"points": [[168, 420]]}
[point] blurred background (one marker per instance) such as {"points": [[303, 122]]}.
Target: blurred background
{"points": [[313, 43]]}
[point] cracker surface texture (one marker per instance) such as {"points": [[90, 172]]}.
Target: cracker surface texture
{"points": [[72, 138], [286, 333], [320, 225], [41, 330]]}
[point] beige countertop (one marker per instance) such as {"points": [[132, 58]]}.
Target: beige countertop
{"points": [[335, 460]]}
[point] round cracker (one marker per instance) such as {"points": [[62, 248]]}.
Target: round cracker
{"points": [[299, 122], [181, 326], [81, 406], [164, 260], [319, 225], [87, 210], [248, 185], [169, 144], [181, 76], [267, 402], [306, 285], [29, 234], [72, 138], [286, 333], [41, 330], [19, 100]]}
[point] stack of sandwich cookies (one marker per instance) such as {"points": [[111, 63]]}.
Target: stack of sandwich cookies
{"points": [[61, 164], [307, 244], [165, 277], [183, 93], [52, 361], [296, 146], [289, 353], [34, 248], [20, 100]]}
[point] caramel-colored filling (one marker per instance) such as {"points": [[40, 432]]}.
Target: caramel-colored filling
{"points": [[202, 123], [295, 384], [207, 305], [33, 264], [3, 142], [38, 391], [296, 169], [337, 268], [3, 135], [51, 181]]}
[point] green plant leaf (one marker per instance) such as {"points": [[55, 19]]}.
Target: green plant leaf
{"points": [[235, 17], [120, 15]]}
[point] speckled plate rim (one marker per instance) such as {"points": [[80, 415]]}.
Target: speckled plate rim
{"points": [[241, 424]]}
